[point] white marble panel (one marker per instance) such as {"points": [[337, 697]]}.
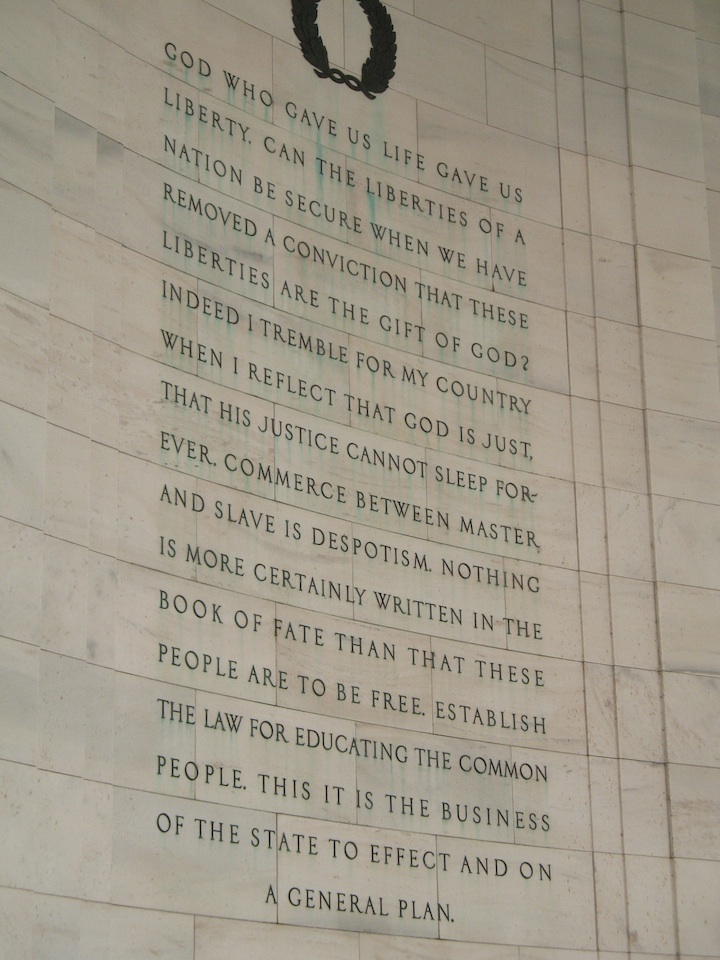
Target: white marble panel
{"points": [[77, 69], [75, 165], [691, 704], [668, 11], [27, 48], [708, 55], [566, 30], [109, 281], [72, 263], [695, 811], [273, 18], [573, 173], [89, 486], [515, 28], [457, 80], [678, 224], [145, 114], [159, 400], [17, 917], [629, 534], [21, 555], [644, 808], [521, 97], [665, 135], [676, 293], [18, 701], [639, 709], [582, 356], [57, 927], [366, 674], [605, 804], [550, 690], [109, 177], [190, 872], [62, 684], [118, 932], [592, 536], [686, 537], [446, 788], [373, 286], [352, 860], [601, 709], [697, 884], [713, 198], [112, 88], [623, 443], [222, 41], [611, 906], [634, 627], [615, 285], [684, 457], [23, 360], [688, 619], [159, 223], [67, 487], [70, 372], [595, 610], [26, 148], [19, 824], [602, 44], [568, 803], [537, 953], [571, 112], [474, 408], [22, 481], [105, 424], [661, 59], [533, 336], [619, 363], [556, 608], [221, 939], [711, 144], [543, 510], [558, 912], [155, 734], [65, 597], [265, 353], [651, 913], [156, 296], [176, 632], [24, 267], [607, 130], [376, 481], [67, 837], [101, 609], [379, 948], [285, 758], [577, 251], [706, 21], [504, 159], [610, 200], [336, 116]]}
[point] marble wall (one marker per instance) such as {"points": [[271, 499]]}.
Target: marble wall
{"points": [[359, 504]]}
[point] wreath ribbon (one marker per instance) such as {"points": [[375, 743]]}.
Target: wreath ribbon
{"points": [[379, 68]]}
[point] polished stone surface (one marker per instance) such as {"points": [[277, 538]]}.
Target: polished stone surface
{"points": [[359, 508]]}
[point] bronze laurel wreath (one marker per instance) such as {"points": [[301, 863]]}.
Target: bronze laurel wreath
{"points": [[379, 68]]}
